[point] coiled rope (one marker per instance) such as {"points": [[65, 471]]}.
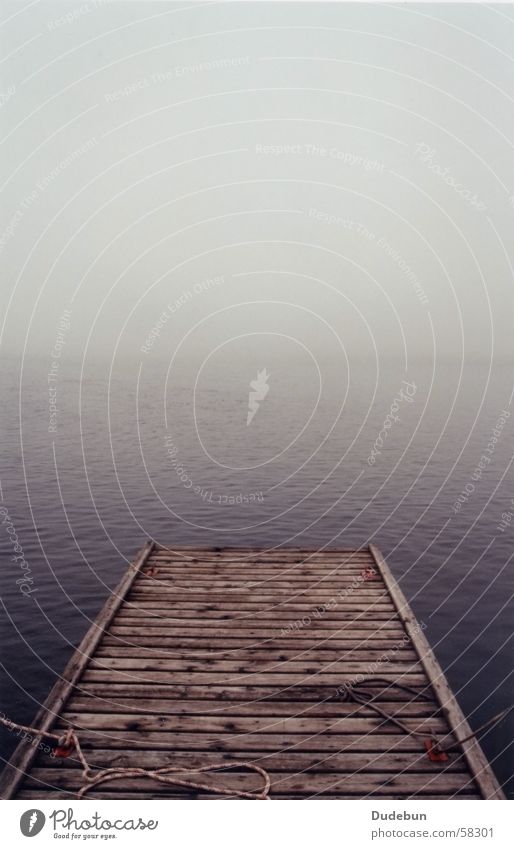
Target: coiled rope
{"points": [[354, 692], [69, 742]]}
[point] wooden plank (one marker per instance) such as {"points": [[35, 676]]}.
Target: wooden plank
{"points": [[286, 585], [184, 593], [313, 694], [248, 618], [254, 565], [299, 784], [381, 629], [348, 582], [231, 724], [181, 707], [248, 569], [284, 580], [380, 741], [288, 640], [126, 795], [209, 555], [321, 589], [203, 612], [258, 561], [363, 620], [367, 619], [266, 678], [273, 649], [477, 762], [311, 655], [282, 606], [272, 761], [104, 794], [316, 596], [253, 574], [326, 601], [24, 754], [256, 572], [251, 567], [309, 561], [243, 604], [286, 616], [257, 666]]}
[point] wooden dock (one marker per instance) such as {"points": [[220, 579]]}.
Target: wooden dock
{"points": [[202, 656]]}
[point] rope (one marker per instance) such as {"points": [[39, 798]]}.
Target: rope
{"points": [[356, 693], [170, 775], [489, 723], [166, 775]]}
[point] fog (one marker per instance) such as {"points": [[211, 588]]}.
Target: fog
{"points": [[178, 175], [256, 292]]}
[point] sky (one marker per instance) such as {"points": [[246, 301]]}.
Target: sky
{"points": [[179, 175]]}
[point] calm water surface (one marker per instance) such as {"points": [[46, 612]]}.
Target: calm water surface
{"points": [[85, 498]]}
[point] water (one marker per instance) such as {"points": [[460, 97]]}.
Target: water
{"points": [[147, 450]]}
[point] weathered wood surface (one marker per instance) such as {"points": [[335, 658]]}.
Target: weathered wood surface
{"points": [[207, 655]]}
